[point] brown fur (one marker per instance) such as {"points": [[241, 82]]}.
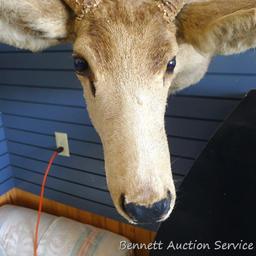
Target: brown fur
{"points": [[98, 29]]}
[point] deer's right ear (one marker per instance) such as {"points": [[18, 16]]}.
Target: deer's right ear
{"points": [[218, 27], [35, 24]]}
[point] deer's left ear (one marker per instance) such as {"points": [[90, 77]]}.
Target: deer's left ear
{"points": [[218, 27]]}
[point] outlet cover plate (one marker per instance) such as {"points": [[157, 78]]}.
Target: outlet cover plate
{"points": [[62, 141]]}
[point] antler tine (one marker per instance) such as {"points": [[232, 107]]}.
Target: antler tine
{"points": [[171, 8], [81, 7]]}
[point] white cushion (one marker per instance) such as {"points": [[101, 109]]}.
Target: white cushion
{"points": [[58, 236], [2, 251]]}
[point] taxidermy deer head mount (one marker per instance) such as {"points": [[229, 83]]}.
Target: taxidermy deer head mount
{"points": [[129, 55]]}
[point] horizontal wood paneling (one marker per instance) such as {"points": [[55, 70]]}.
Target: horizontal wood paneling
{"points": [[6, 177], [5, 174], [3, 147], [46, 111], [79, 148], [226, 86], [191, 128], [5, 49], [6, 186], [4, 160], [235, 64], [182, 147], [75, 162], [2, 135], [59, 79], [200, 108], [62, 185], [43, 61], [44, 95], [48, 127], [58, 171]]}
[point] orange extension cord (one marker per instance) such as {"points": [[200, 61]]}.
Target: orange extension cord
{"points": [[54, 155]]}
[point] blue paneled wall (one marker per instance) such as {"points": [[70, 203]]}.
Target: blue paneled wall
{"points": [[39, 95], [6, 176]]}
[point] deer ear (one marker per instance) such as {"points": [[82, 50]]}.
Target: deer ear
{"points": [[34, 24], [218, 27]]}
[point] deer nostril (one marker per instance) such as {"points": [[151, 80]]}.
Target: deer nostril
{"points": [[143, 214]]}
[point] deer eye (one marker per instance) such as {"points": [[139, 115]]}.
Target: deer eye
{"points": [[171, 65], [81, 65]]}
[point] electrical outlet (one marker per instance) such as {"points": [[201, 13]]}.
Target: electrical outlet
{"points": [[62, 141]]}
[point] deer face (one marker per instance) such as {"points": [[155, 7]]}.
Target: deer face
{"points": [[125, 59]]}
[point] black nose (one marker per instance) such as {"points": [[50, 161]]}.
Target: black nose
{"points": [[142, 214]]}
